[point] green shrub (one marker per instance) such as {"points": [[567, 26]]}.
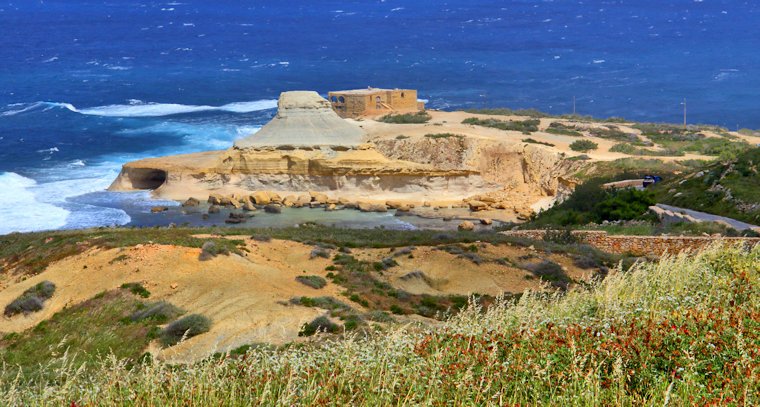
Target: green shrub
{"points": [[379, 316], [210, 249], [583, 145], [31, 300], [319, 324], [563, 129], [397, 310], [533, 141], [524, 126], [384, 264], [315, 282], [591, 203], [319, 252], [406, 118], [444, 135], [549, 271], [534, 113], [359, 300], [136, 289], [626, 148], [184, 328], [159, 312], [614, 133]]}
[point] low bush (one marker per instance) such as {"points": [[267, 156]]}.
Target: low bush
{"points": [[591, 203], [319, 324], [184, 328], [159, 312], [32, 300], [406, 118], [549, 271], [315, 282], [563, 129], [626, 148], [533, 141], [614, 133], [444, 135], [524, 126], [319, 252], [583, 145], [329, 303], [379, 316], [136, 289], [384, 264], [210, 249], [534, 113]]}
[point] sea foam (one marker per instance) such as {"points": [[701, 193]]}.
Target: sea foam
{"points": [[21, 211], [142, 109]]}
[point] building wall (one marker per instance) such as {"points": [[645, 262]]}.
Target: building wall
{"points": [[639, 245], [403, 99], [355, 105]]}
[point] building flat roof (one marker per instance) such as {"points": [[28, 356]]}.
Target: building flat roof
{"points": [[370, 91]]}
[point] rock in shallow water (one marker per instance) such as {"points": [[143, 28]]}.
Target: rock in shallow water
{"points": [[467, 225], [273, 208]]}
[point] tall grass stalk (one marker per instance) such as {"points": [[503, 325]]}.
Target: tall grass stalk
{"points": [[680, 331]]}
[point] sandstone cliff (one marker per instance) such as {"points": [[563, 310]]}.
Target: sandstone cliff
{"points": [[307, 148]]}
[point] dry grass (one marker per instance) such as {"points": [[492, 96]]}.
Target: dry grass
{"points": [[683, 331]]}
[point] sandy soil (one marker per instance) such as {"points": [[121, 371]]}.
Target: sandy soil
{"points": [[451, 122], [241, 295], [449, 274], [247, 296]]}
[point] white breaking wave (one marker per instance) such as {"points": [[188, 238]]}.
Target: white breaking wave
{"points": [[143, 109], [21, 211]]}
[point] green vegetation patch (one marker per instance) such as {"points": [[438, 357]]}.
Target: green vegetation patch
{"points": [[406, 118], [635, 167], [534, 141], [319, 324], [728, 188], [211, 249], [563, 129], [524, 126], [444, 136], [32, 300], [583, 145], [136, 289], [184, 328], [681, 331], [591, 203], [89, 331], [611, 132], [31, 253], [629, 149], [536, 114], [315, 282], [159, 312], [690, 140]]}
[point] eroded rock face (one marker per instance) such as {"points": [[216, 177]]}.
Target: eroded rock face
{"points": [[304, 119], [307, 156]]}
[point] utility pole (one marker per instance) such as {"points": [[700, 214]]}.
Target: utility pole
{"points": [[684, 113], [573, 105]]}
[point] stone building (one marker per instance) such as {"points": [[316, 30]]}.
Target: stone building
{"points": [[373, 101]]}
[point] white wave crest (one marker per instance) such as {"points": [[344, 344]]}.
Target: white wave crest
{"points": [[142, 109], [21, 211]]}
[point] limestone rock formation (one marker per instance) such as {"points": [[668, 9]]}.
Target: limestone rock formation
{"points": [[304, 119], [308, 156]]}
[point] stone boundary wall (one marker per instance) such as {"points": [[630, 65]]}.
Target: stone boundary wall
{"points": [[638, 245]]}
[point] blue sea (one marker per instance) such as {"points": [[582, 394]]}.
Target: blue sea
{"points": [[88, 85]]}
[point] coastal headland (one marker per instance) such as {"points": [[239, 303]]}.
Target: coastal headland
{"points": [[496, 165]]}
